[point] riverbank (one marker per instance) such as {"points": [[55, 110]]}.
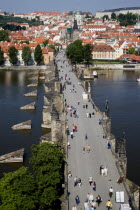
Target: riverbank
{"points": [[128, 67], [125, 67]]}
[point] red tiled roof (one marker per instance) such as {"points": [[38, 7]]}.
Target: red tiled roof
{"points": [[103, 48], [129, 57]]}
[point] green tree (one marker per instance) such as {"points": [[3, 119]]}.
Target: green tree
{"points": [[47, 162], [26, 54], [45, 42], [105, 17], [87, 16], [4, 36], [17, 190], [6, 19], [1, 57], [13, 52], [127, 19], [88, 54], [113, 16], [38, 55], [23, 28], [37, 17], [131, 50], [51, 46], [75, 52]]}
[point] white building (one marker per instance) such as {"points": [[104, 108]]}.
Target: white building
{"points": [[93, 28], [134, 10]]}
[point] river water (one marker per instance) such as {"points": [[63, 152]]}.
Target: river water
{"points": [[123, 93], [120, 87], [13, 85]]}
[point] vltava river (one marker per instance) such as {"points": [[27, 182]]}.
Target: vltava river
{"points": [[123, 92], [13, 85]]}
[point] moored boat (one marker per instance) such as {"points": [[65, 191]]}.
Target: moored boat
{"points": [[95, 74]]}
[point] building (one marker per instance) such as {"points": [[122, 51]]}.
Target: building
{"points": [[137, 28], [134, 10], [79, 17], [103, 51], [93, 28], [48, 55]]}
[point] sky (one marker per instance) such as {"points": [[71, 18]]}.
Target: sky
{"points": [[28, 6]]}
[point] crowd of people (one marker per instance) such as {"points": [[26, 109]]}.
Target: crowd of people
{"points": [[91, 202]]}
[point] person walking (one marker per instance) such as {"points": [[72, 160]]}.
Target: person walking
{"points": [[86, 106], [83, 149], [77, 200], [86, 205], [108, 145], [88, 196], [74, 208], [94, 205], [93, 113], [105, 171], [79, 182], [130, 201], [102, 172], [68, 145], [75, 181], [88, 148], [89, 115], [73, 127], [111, 192], [67, 131], [94, 186], [100, 121], [69, 174], [91, 198], [71, 134], [90, 179], [86, 137], [120, 179], [108, 205], [101, 167], [98, 200]]}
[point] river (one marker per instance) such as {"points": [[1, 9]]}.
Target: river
{"points": [[13, 85], [123, 92]]}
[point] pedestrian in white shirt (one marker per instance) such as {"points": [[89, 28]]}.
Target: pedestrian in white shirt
{"points": [[105, 171], [74, 208], [71, 134], [111, 192], [90, 180], [91, 198]]}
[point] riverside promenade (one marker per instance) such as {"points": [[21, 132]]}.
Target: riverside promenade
{"points": [[84, 164]]}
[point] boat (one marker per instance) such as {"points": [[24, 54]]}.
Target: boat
{"points": [[95, 74], [138, 80]]}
